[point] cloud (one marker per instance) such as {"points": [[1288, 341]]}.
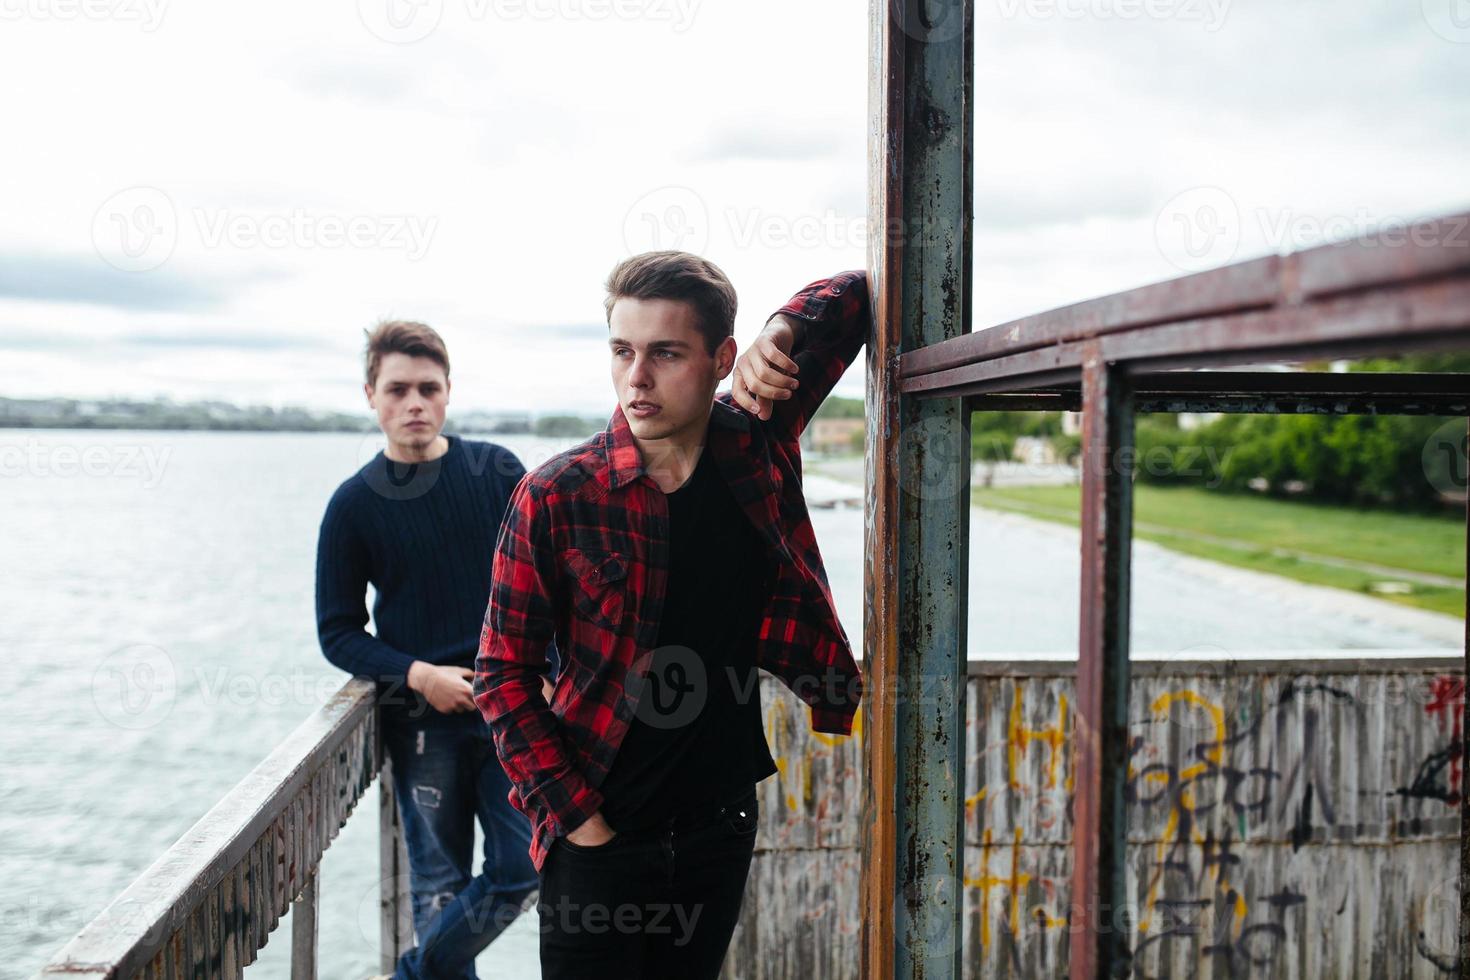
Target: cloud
{"points": [[87, 279], [533, 142], [565, 331], [215, 340], [371, 84], [91, 344], [777, 141]]}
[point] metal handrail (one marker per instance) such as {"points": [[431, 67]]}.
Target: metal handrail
{"points": [[210, 902]]}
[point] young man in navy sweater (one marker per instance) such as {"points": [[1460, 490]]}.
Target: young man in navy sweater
{"points": [[419, 523]]}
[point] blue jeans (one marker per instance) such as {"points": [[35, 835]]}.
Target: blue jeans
{"points": [[446, 774]]}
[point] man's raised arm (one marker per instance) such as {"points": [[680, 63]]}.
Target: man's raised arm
{"points": [[520, 622], [803, 351]]}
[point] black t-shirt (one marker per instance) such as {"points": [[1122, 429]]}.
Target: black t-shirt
{"points": [[697, 739]]}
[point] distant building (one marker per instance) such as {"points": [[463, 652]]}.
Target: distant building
{"points": [[832, 436], [1034, 451], [1072, 421], [1193, 420]]}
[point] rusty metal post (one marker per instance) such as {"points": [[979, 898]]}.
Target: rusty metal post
{"points": [[1464, 944], [918, 493], [1100, 923], [304, 931], [395, 911]]}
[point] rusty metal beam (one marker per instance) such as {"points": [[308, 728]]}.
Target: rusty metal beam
{"points": [[1288, 392], [1380, 320], [1248, 285], [918, 494], [1099, 927], [1436, 249]]}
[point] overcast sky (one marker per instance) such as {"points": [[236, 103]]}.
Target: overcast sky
{"points": [[213, 200]]}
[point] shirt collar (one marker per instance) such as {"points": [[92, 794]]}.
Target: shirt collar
{"points": [[625, 462]]}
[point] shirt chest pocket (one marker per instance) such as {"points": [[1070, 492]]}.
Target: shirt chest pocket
{"points": [[598, 586]]}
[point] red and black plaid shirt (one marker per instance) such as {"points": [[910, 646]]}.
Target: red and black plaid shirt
{"points": [[583, 557]]}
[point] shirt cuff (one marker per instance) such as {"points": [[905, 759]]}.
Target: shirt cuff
{"points": [[579, 809], [832, 721]]}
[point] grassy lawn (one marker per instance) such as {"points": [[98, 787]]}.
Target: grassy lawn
{"points": [[1253, 532]]}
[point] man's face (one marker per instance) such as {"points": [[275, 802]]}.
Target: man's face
{"points": [[664, 376], [410, 398]]}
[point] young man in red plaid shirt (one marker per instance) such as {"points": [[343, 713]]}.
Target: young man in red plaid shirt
{"points": [[670, 557]]}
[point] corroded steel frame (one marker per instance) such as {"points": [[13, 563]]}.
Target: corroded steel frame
{"points": [[1162, 348]]}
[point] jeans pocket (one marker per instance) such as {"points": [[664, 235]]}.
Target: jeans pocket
{"points": [[606, 845]]}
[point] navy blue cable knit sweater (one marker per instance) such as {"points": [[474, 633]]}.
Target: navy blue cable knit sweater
{"points": [[424, 536]]}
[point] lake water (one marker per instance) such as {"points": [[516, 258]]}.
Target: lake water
{"points": [[196, 551]]}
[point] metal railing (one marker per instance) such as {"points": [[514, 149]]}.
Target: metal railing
{"points": [[210, 902]]}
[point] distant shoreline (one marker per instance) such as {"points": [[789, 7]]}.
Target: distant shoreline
{"points": [[161, 415]]}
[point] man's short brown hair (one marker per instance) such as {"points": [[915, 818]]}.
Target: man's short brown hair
{"points": [[682, 276], [403, 337]]}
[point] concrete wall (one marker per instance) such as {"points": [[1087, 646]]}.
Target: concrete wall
{"points": [[1286, 820]]}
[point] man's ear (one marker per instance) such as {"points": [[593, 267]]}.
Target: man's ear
{"points": [[367, 390], [725, 355], [447, 386]]}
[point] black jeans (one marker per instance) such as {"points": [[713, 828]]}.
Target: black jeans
{"points": [[654, 903]]}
